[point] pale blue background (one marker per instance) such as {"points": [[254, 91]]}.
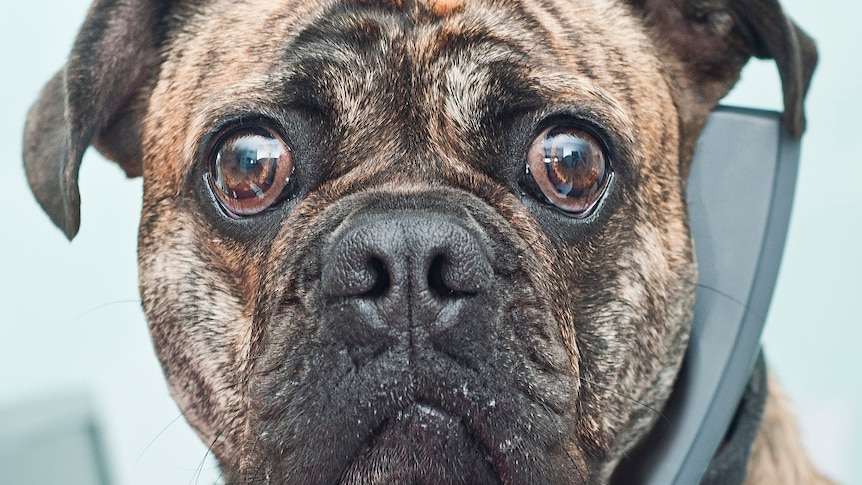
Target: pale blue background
{"points": [[69, 317]]}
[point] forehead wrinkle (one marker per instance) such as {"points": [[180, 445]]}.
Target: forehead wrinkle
{"points": [[473, 70], [472, 78], [427, 46], [356, 60]]}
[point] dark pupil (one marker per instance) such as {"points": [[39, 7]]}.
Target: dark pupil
{"points": [[245, 166], [572, 163]]}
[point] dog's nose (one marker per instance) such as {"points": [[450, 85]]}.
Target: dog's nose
{"points": [[408, 269]]}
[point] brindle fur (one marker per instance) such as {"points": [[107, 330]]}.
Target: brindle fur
{"points": [[400, 107]]}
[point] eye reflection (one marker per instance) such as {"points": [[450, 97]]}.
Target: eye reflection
{"points": [[569, 168], [249, 170], [574, 165], [246, 166]]}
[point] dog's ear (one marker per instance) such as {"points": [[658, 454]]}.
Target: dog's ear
{"points": [[715, 38], [98, 98]]}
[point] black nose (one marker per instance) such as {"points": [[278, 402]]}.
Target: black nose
{"points": [[406, 269]]}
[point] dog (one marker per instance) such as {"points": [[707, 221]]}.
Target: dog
{"points": [[415, 241]]}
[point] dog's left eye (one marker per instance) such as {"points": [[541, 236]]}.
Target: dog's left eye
{"points": [[569, 167], [249, 170]]}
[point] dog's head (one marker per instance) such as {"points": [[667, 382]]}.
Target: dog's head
{"points": [[391, 241]]}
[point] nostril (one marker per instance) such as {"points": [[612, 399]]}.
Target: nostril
{"points": [[435, 278], [381, 278], [437, 284]]}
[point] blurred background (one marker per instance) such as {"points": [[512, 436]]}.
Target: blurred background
{"points": [[77, 368]]}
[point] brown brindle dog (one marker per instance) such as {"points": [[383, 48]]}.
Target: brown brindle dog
{"points": [[397, 241]]}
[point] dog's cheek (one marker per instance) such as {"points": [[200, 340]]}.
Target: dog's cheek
{"points": [[628, 281], [636, 296], [199, 325]]}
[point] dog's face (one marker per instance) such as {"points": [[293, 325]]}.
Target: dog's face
{"points": [[426, 296], [392, 242]]}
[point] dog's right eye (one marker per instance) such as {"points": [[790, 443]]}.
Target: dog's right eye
{"points": [[249, 170]]}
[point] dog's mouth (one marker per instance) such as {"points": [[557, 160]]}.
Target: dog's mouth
{"points": [[416, 426], [422, 445]]}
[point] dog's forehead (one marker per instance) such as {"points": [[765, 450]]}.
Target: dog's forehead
{"points": [[426, 70]]}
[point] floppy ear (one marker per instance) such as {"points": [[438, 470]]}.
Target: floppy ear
{"points": [[713, 39], [98, 98]]}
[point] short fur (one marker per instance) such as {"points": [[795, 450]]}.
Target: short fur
{"points": [[409, 121]]}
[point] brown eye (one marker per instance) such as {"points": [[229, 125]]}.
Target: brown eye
{"points": [[249, 169], [568, 166]]}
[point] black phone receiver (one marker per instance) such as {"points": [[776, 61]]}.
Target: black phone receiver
{"points": [[740, 191]]}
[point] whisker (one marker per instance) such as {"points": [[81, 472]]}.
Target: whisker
{"points": [[731, 298], [220, 478], [200, 468], [576, 466], [619, 394], [102, 307], [183, 413], [257, 470]]}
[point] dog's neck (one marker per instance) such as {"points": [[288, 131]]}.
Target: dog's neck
{"points": [[730, 464]]}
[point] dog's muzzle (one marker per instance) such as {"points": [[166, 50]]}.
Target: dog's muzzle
{"points": [[421, 355]]}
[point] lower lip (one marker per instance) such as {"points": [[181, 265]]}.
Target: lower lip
{"points": [[422, 444]]}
